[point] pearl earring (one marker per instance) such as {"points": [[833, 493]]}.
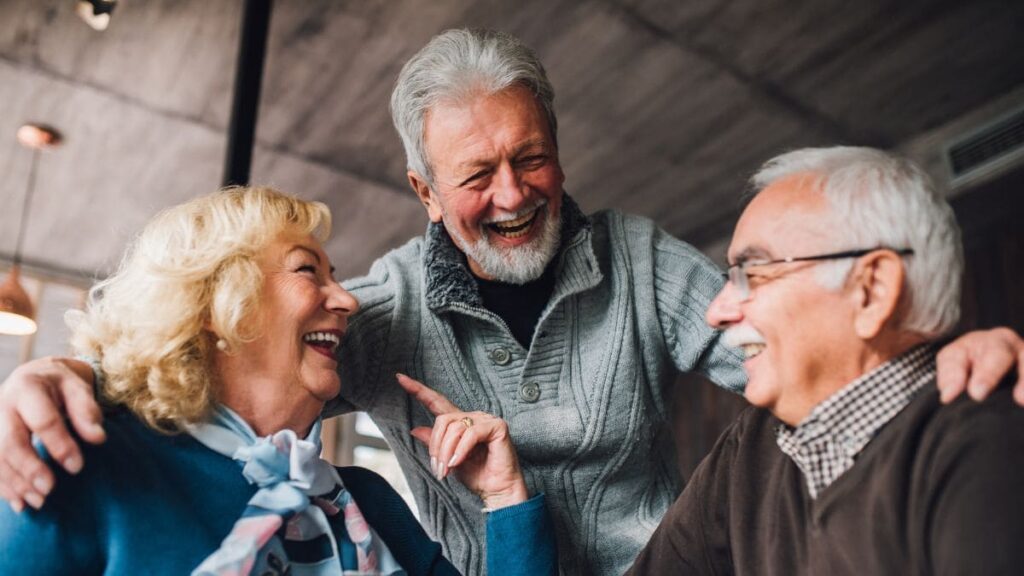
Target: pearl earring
{"points": [[222, 344]]}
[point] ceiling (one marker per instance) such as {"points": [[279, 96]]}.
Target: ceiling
{"points": [[664, 106]]}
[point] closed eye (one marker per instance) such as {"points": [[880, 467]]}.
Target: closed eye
{"points": [[476, 178], [532, 162]]}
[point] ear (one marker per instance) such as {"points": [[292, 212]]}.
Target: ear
{"points": [[877, 283], [426, 195]]}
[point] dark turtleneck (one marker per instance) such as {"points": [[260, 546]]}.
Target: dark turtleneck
{"points": [[519, 305]]}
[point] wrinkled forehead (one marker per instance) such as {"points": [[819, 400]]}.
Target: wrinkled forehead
{"points": [[790, 217], [292, 240]]}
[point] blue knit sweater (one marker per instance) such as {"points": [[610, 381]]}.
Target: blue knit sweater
{"points": [[147, 503]]}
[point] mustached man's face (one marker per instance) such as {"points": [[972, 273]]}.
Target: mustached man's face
{"points": [[497, 182], [795, 333]]}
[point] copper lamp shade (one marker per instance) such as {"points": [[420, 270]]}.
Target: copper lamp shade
{"points": [[17, 314], [16, 311]]}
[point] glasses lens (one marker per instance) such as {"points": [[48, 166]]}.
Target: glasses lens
{"points": [[738, 277]]}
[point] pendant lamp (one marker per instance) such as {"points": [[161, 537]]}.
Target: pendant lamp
{"points": [[17, 314], [96, 13]]}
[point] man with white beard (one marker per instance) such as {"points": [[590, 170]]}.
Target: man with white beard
{"points": [[571, 327], [846, 270]]}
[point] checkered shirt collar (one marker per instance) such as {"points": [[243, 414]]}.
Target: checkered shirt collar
{"points": [[826, 443]]}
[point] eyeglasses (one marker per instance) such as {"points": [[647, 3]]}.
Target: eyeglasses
{"points": [[741, 281]]}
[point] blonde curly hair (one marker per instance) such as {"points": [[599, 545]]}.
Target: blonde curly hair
{"points": [[189, 278]]}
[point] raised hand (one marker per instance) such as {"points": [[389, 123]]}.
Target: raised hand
{"points": [[475, 445]]}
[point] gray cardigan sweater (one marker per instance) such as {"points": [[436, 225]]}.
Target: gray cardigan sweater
{"points": [[587, 403]]}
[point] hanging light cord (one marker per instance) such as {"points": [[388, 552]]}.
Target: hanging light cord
{"points": [[26, 204]]}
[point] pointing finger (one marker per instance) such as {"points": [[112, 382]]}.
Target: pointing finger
{"points": [[433, 401]]}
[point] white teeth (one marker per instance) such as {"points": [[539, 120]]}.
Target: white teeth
{"points": [[515, 228], [328, 337], [751, 350], [517, 222]]}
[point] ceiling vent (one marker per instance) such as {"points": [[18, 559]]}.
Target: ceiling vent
{"points": [[986, 150]]}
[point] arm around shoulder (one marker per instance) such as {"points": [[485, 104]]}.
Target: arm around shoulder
{"points": [[32, 402], [686, 282]]}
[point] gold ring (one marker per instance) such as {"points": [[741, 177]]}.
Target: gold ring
{"points": [[467, 421]]}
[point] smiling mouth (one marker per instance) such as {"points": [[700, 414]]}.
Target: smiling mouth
{"points": [[746, 338], [325, 342], [752, 350], [515, 228]]}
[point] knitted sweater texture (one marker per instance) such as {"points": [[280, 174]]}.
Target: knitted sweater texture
{"points": [[587, 403]]}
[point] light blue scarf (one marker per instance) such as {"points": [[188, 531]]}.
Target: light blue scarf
{"points": [[298, 493]]}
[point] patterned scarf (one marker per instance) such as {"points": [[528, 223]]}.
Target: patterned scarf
{"points": [[285, 529]]}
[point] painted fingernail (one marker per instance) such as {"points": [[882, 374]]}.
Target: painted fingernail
{"points": [[452, 461], [73, 464], [17, 506], [34, 500], [442, 470], [42, 485], [433, 466]]}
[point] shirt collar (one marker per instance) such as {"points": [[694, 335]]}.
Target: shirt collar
{"points": [[826, 443]]}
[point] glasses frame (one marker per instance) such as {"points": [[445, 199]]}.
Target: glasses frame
{"points": [[737, 273]]}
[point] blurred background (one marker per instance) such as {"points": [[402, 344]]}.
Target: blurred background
{"points": [[664, 108]]}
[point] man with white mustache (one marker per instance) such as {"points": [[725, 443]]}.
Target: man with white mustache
{"points": [[572, 327], [845, 272]]}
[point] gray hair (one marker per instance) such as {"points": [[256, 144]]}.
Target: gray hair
{"points": [[878, 199], [459, 64]]}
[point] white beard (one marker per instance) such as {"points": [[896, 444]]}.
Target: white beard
{"points": [[515, 265]]}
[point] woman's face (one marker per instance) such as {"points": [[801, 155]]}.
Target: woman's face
{"points": [[302, 315]]}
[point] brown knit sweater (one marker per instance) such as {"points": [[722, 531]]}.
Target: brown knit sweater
{"points": [[940, 490]]}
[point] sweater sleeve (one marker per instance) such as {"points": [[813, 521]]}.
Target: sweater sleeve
{"points": [[360, 356], [521, 540], [976, 522], [685, 283]]}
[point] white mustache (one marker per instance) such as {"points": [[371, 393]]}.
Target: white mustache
{"points": [[737, 336]]}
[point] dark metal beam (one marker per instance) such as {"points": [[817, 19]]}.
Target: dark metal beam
{"points": [[50, 272], [252, 49]]}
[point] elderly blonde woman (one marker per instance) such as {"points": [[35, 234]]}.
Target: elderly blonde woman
{"points": [[217, 337]]}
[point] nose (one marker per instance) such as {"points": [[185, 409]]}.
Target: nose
{"points": [[724, 310], [340, 301], [509, 193]]}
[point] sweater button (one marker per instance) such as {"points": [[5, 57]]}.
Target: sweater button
{"points": [[529, 392], [501, 356]]}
